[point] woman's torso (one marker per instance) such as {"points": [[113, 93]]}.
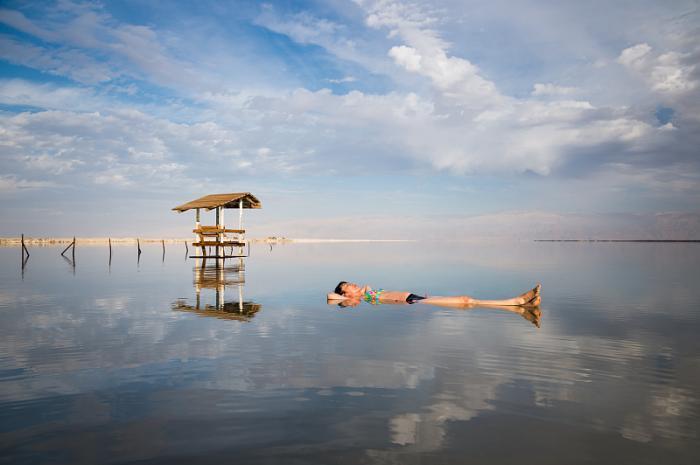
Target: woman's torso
{"points": [[382, 295]]}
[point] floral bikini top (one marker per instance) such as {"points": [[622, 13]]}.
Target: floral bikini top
{"points": [[372, 296]]}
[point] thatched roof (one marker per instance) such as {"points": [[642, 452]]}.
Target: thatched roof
{"points": [[221, 200]]}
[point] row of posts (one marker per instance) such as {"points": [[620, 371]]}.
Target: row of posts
{"points": [[71, 247], [219, 224]]}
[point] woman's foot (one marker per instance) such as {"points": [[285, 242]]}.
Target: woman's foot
{"points": [[532, 297]]}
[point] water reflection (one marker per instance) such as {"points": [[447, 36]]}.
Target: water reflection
{"points": [[531, 314], [97, 367], [211, 280]]}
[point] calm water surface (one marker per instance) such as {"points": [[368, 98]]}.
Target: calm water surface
{"points": [[163, 362]]}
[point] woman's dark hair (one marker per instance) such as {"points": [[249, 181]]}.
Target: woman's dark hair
{"points": [[338, 288]]}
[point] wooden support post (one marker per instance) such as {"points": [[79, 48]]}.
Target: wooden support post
{"points": [[66, 250], [197, 225], [138, 246], [110, 249], [72, 244], [162, 241], [25, 256], [218, 226], [223, 234], [24, 249], [73, 251], [187, 250]]}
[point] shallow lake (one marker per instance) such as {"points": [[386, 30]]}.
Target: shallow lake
{"points": [[161, 361]]}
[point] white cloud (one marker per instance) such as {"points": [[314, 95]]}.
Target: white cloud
{"points": [[10, 183], [343, 80], [453, 117], [62, 62], [407, 57], [669, 73], [426, 53], [48, 96], [635, 57], [551, 89], [135, 50], [298, 130], [301, 27], [20, 22], [52, 164]]}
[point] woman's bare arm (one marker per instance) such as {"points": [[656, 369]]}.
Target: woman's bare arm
{"points": [[334, 296]]}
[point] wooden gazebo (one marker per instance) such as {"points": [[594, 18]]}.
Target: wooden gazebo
{"points": [[218, 236]]}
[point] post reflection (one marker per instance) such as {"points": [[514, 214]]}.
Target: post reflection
{"points": [[218, 286]]}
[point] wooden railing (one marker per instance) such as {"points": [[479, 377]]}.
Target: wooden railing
{"points": [[214, 236]]}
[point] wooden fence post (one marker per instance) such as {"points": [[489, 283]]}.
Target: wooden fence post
{"points": [[72, 244], [24, 248]]}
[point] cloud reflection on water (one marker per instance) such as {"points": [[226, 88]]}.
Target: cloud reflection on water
{"points": [[619, 361]]}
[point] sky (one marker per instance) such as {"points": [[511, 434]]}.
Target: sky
{"points": [[359, 119]]}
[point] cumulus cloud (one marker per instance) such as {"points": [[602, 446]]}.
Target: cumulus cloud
{"points": [[668, 73], [445, 110], [475, 127], [465, 125], [127, 147], [407, 57], [426, 53]]}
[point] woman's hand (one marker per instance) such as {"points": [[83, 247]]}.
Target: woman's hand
{"points": [[334, 296]]}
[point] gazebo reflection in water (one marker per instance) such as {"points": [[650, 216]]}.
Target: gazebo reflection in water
{"points": [[212, 284]]}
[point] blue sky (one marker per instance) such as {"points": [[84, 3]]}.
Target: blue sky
{"points": [[352, 118]]}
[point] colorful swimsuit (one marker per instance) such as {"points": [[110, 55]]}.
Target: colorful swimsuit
{"points": [[372, 296]]}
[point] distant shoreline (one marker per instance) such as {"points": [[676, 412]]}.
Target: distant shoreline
{"points": [[47, 241], [617, 240]]}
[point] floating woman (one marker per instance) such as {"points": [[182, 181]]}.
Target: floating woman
{"points": [[352, 293]]}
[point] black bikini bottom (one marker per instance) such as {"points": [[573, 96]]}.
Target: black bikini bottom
{"points": [[413, 298]]}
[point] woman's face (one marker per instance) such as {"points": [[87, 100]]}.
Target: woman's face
{"points": [[351, 290]]}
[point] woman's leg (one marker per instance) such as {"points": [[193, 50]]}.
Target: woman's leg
{"points": [[531, 297]]}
